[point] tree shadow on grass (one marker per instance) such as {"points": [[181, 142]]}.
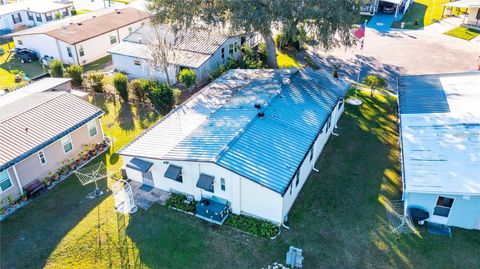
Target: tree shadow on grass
{"points": [[146, 115], [32, 234], [125, 117]]}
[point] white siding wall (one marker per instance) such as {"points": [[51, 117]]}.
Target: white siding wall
{"points": [[127, 64], [6, 20], [40, 43]]}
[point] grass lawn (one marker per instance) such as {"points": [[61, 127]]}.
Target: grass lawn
{"points": [[8, 62], [463, 33], [423, 11], [83, 11], [339, 218], [286, 60], [98, 64]]}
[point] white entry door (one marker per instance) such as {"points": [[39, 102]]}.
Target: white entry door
{"points": [[148, 178]]}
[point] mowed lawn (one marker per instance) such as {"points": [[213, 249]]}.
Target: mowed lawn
{"points": [[425, 12], [339, 219]]}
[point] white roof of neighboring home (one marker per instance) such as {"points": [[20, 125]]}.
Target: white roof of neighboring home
{"points": [[39, 6], [464, 4], [440, 131], [38, 86]]}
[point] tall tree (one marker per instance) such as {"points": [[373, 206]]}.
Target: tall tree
{"points": [[328, 21]]}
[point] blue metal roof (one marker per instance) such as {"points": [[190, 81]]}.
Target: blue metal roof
{"points": [[220, 124], [422, 94], [270, 151]]}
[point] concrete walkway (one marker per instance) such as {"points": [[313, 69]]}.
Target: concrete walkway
{"points": [[145, 196]]}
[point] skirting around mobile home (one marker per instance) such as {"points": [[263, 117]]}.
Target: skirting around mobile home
{"points": [[249, 139]]}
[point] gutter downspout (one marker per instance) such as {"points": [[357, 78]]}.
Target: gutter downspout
{"points": [[18, 179], [76, 53]]}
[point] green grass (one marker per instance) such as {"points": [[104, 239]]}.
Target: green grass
{"points": [[425, 12], [463, 33], [286, 60], [8, 62], [123, 1], [339, 218], [98, 64], [83, 11]]}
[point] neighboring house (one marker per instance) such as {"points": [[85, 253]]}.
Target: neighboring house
{"points": [[247, 141], [472, 18], [199, 50], [440, 138], [30, 13], [84, 38], [396, 7], [39, 130]]}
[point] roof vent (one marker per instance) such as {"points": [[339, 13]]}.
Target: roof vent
{"points": [[261, 114], [258, 106]]}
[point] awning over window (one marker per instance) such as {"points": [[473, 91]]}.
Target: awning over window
{"points": [[205, 182], [139, 165], [173, 172]]}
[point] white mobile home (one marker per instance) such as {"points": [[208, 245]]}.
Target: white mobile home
{"points": [[248, 141], [440, 138], [30, 13], [199, 50], [84, 38]]}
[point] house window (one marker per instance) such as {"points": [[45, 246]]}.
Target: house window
{"points": [[67, 144], [443, 206], [297, 179], [30, 15], [222, 184], [41, 156], [65, 12], [291, 189], [80, 51], [223, 53], [38, 17], [174, 172], [113, 39], [20, 42], [17, 18], [311, 154], [236, 46], [48, 16], [230, 49], [5, 181], [136, 62], [69, 52], [92, 128]]}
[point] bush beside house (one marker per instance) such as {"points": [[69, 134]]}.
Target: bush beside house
{"points": [[120, 82], [75, 73], [55, 68]]}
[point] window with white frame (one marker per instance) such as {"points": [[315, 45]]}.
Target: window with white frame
{"points": [[69, 52], [39, 17], [5, 181], [136, 62], [443, 206], [20, 42], [311, 153], [17, 18], [42, 157], [113, 39], [48, 16], [92, 128], [80, 51], [236, 46], [65, 12], [30, 15], [222, 184], [297, 179], [230, 50], [67, 143]]}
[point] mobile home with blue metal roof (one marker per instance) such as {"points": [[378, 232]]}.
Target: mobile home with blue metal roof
{"points": [[440, 138], [247, 142]]}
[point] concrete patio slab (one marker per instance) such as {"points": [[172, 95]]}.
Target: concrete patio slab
{"points": [[145, 196]]}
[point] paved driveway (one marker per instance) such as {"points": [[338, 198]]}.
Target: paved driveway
{"points": [[411, 52]]}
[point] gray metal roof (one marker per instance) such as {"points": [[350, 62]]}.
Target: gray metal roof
{"points": [[220, 124], [441, 139], [42, 85], [31, 123]]}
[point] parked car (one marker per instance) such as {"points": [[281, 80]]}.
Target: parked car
{"points": [[26, 55], [388, 8], [45, 60]]}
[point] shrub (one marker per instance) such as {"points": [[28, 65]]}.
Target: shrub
{"points": [[137, 87], [75, 72], [176, 95], [56, 68], [120, 82], [73, 12], [374, 82], [58, 16], [252, 225], [94, 81], [187, 77], [177, 200], [161, 95], [251, 59], [231, 64]]}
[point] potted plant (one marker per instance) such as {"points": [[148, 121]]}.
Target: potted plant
{"points": [[53, 176], [79, 159], [3, 209], [72, 165], [11, 201], [47, 181], [24, 197], [93, 151]]}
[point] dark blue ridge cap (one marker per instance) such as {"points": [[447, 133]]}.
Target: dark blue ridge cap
{"points": [[139, 164], [49, 141]]}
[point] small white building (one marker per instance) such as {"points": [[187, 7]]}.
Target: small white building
{"points": [[199, 50], [440, 139], [247, 141], [30, 13], [84, 38]]}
